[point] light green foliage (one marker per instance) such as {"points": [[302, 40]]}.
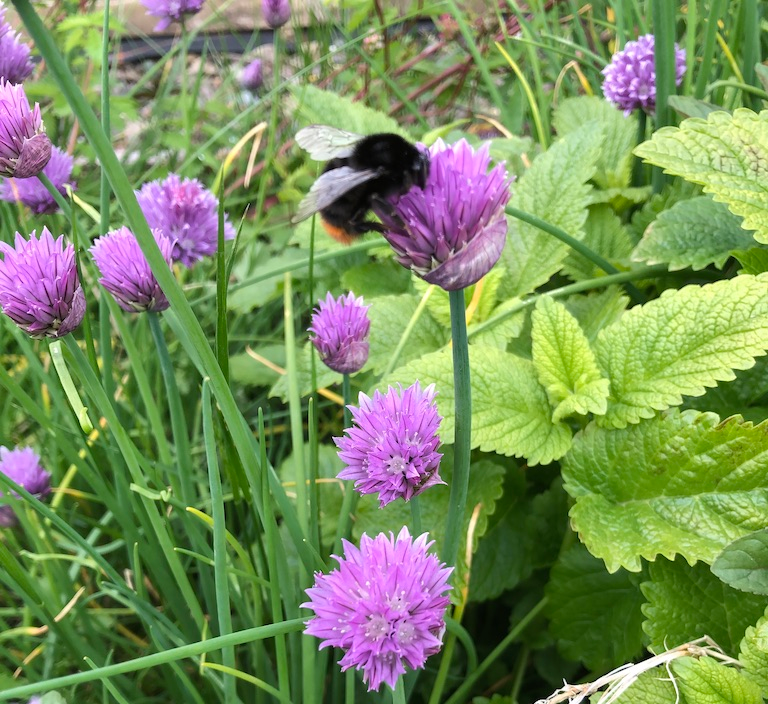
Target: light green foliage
{"points": [[681, 343], [685, 603], [525, 534], [317, 106], [614, 166], [739, 396], [52, 698], [693, 233], [744, 563], [687, 106], [554, 189], [482, 298], [597, 310], [244, 369], [753, 653], [485, 488], [389, 317], [753, 261], [726, 154], [706, 681], [681, 483], [652, 687], [605, 235], [601, 634], [565, 363], [325, 376], [374, 278], [672, 193], [510, 411]]}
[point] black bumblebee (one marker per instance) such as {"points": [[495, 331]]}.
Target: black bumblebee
{"points": [[361, 171]]}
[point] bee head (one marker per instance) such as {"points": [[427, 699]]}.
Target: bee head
{"points": [[420, 169]]}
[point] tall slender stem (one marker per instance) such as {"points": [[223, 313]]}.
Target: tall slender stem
{"points": [[463, 428], [349, 502]]}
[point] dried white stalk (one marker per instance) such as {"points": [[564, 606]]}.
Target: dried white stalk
{"points": [[617, 681]]}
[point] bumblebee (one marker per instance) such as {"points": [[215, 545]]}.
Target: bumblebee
{"points": [[362, 171]]}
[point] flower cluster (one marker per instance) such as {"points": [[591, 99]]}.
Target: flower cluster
{"points": [[24, 147], [392, 448], [452, 232], [185, 212], [22, 465], [15, 64], [169, 11], [32, 193], [125, 271], [340, 328], [39, 287], [630, 77], [252, 76], [384, 605], [275, 12]]}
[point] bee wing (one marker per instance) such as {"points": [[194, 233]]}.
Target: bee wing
{"points": [[324, 142], [330, 186]]}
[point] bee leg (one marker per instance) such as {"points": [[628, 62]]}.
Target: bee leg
{"points": [[379, 206]]}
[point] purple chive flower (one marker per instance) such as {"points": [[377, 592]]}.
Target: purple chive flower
{"points": [[275, 12], [15, 64], [171, 11], [252, 76], [24, 147], [39, 288], [125, 271], [452, 232], [340, 328], [630, 77], [187, 213], [384, 605], [32, 193], [391, 450], [22, 465]]}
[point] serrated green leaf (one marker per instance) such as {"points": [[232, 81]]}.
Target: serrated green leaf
{"points": [[325, 107], [565, 362], [621, 199], [594, 615], [371, 279], [510, 411], [500, 334], [681, 483], [681, 343], [658, 203], [744, 563], [739, 396], [485, 484], [389, 317], [651, 687], [687, 106], [605, 235], [686, 603], [554, 189], [753, 653], [597, 310], [753, 261], [707, 681], [693, 233], [726, 154], [614, 167]]}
